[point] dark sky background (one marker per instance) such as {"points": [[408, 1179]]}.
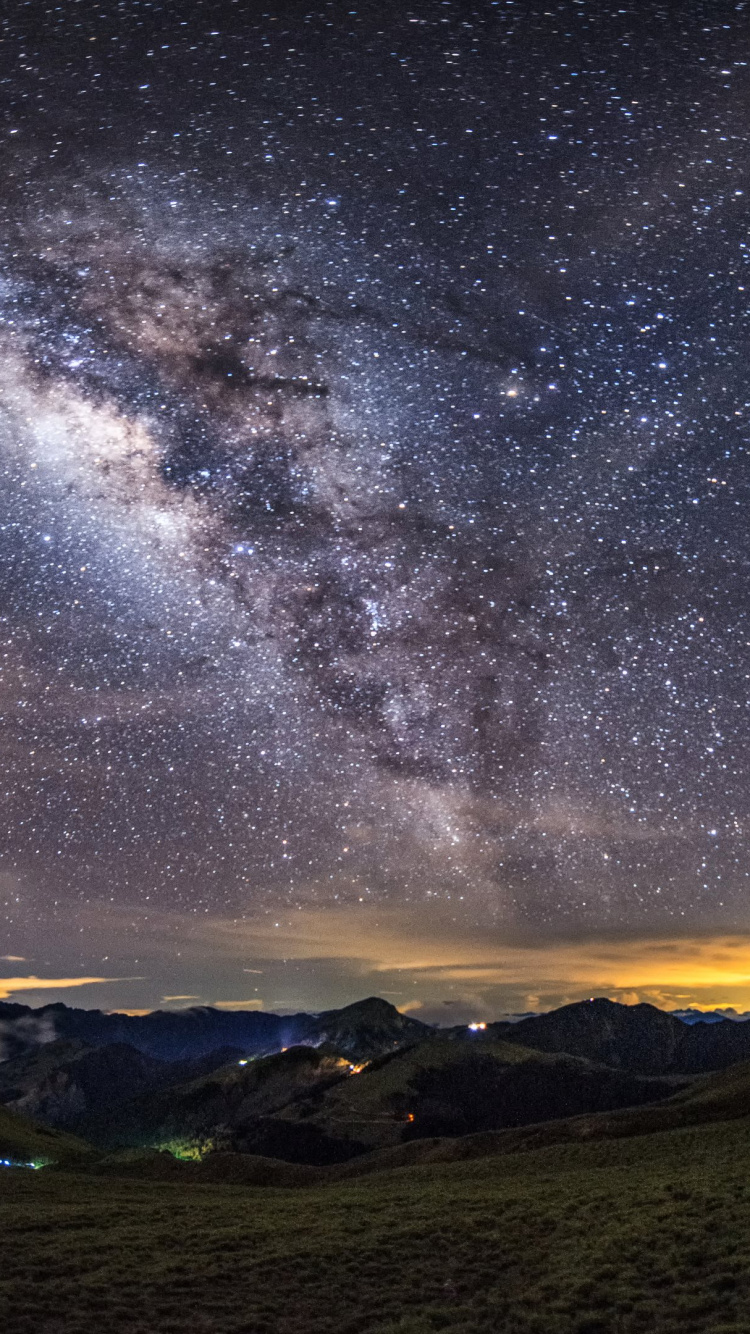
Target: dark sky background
{"points": [[374, 528]]}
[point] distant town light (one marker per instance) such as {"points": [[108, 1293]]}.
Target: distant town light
{"points": [[476, 1028]]}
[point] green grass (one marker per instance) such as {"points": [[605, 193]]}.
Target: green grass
{"points": [[644, 1235]]}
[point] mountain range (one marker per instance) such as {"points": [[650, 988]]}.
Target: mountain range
{"points": [[363, 1029], [639, 1038], [324, 1089]]}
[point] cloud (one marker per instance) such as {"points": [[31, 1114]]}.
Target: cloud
{"points": [[430, 954], [166, 1000], [438, 957], [9, 985], [238, 1005], [17, 1035], [12, 958], [393, 939]]}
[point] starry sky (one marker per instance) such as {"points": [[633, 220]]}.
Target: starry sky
{"points": [[374, 420]]}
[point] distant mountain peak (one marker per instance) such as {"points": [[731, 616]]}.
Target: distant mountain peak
{"points": [[371, 1005]]}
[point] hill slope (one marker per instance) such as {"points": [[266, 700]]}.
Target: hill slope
{"points": [[443, 1087], [69, 1086], [236, 1103], [711, 1100], [24, 1142]]}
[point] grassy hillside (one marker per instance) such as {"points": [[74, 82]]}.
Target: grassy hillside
{"points": [[22, 1141], [645, 1235]]}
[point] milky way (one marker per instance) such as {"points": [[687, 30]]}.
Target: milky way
{"points": [[374, 446]]}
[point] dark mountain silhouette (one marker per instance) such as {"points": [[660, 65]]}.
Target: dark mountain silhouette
{"points": [[711, 1016], [639, 1038], [359, 1030], [167, 1035], [714, 1046]]}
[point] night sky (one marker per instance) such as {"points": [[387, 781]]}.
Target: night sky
{"points": [[374, 541]]}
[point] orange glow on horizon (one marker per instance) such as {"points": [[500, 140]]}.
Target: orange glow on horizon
{"points": [[437, 957], [424, 957]]}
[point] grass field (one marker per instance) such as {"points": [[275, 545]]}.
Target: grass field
{"points": [[648, 1235]]}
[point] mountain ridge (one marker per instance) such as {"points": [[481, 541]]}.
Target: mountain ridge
{"points": [[199, 1030]]}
